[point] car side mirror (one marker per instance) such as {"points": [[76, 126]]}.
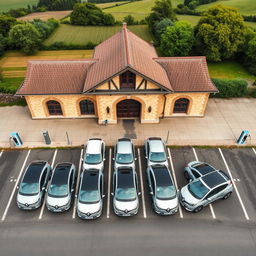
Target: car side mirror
{"points": [[104, 159], [103, 196], [75, 196], [151, 193], [190, 180], [139, 193], [72, 190], [112, 193], [82, 159], [43, 188], [146, 157], [168, 157], [17, 187], [113, 159], [135, 158]]}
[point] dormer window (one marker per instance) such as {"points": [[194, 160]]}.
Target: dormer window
{"points": [[127, 81]]}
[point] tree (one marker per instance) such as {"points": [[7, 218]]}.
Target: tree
{"points": [[89, 14], [161, 26], [177, 40], [250, 55], [219, 33], [129, 19], [6, 22], [2, 44], [162, 9], [25, 37]]}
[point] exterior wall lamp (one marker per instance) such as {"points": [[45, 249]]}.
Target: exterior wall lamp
{"points": [[108, 110], [149, 109]]}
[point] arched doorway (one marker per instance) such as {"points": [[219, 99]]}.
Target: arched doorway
{"points": [[128, 109]]}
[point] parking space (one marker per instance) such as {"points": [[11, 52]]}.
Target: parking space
{"points": [[241, 163]]}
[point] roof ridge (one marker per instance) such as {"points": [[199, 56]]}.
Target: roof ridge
{"points": [[126, 45]]}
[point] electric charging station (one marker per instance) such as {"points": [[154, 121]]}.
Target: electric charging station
{"points": [[47, 138], [15, 138], [243, 136]]}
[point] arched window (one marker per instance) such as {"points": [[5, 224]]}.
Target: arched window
{"points": [[54, 107], [86, 107], [127, 81], [181, 105]]}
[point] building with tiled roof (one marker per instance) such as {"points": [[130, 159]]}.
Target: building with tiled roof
{"points": [[124, 79]]}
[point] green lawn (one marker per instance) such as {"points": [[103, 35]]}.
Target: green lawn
{"points": [[229, 70], [245, 7], [5, 5], [83, 34]]}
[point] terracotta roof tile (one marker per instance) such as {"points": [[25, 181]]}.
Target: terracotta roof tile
{"points": [[55, 77], [188, 74]]}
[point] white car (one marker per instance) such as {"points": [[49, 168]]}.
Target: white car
{"points": [[94, 154], [125, 192], [124, 154], [156, 152], [90, 195]]}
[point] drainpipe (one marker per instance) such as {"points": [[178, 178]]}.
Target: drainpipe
{"points": [[164, 106]]}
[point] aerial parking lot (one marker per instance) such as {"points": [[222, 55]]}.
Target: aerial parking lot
{"points": [[228, 225]]}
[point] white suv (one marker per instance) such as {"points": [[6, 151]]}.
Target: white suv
{"points": [[124, 154], [156, 152], [94, 154]]}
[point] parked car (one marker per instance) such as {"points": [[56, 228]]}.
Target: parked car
{"points": [[124, 154], [205, 190], [94, 154], [162, 190], [33, 184], [125, 191], [90, 194], [61, 186], [195, 169], [155, 151]]}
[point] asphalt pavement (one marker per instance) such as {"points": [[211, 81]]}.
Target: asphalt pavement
{"points": [[224, 228]]}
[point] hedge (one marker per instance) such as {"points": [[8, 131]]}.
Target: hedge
{"points": [[230, 88], [64, 46]]}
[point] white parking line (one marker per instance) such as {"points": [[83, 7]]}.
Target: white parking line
{"points": [[234, 184], [77, 184], [142, 187], [253, 149], [1, 153], [109, 182], [210, 205], [15, 186], [175, 180], [43, 206]]}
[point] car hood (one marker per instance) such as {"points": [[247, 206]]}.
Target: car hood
{"points": [[162, 163], [188, 197], [165, 204], [129, 206], [27, 199], [53, 201], [91, 208]]}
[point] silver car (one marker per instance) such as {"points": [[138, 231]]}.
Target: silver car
{"points": [[33, 184], [61, 186], [205, 190], [155, 151], [162, 190], [124, 153], [90, 195], [125, 192], [94, 154], [195, 169]]}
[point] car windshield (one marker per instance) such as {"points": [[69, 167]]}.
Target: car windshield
{"points": [[58, 190], [157, 157], [92, 158], [126, 194], [122, 158], [198, 189], [167, 192], [89, 196], [29, 189]]}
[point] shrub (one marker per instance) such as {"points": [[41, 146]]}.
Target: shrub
{"points": [[64, 46], [230, 88]]}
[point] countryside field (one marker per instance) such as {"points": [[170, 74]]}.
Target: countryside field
{"points": [[83, 34], [245, 7], [45, 15], [5, 5]]}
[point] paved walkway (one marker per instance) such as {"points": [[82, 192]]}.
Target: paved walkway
{"points": [[223, 122]]}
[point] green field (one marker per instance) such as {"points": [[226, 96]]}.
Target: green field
{"points": [[5, 5], [245, 7], [229, 70], [83, 34]]}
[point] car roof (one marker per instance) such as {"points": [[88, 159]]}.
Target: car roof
{"points": [[33, 172], [213, 179], [94, 146], [61, 174], [156, 145], [90, 180], [162, 176], [204, 168], [124, 146], [125, 177]]}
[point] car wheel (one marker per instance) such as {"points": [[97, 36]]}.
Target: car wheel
{"points": [[186, 175], [198, 209], [226, 196]]}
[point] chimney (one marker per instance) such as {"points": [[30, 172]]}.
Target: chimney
{"points": [[124, 25]]}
